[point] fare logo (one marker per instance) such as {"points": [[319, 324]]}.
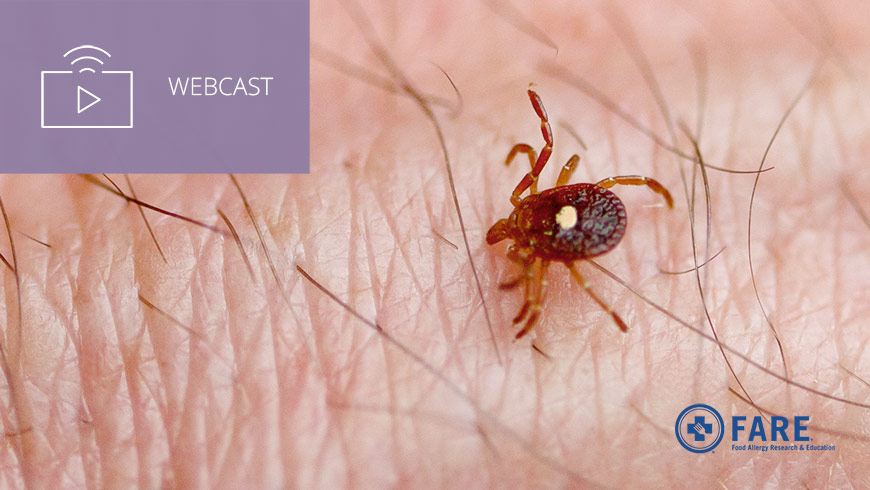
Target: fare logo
{"points": [[700, 429]]}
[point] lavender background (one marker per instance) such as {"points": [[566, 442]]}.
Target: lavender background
{"points": [[156, 40]]}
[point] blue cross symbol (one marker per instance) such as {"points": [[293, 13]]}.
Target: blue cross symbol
{"points": [[698, 428]]}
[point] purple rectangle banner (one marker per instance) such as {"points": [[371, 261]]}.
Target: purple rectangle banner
{"points": [[154, 87]]}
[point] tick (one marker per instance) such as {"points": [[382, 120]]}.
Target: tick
{"points": [[564, 224]]}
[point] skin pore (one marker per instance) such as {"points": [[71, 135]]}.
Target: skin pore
{"points": [[222, 368]]}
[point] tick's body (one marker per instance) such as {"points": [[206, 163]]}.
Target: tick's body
{"points": [[565, 224]]}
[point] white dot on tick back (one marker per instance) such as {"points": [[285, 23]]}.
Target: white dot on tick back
{"points": [[567, 217]]}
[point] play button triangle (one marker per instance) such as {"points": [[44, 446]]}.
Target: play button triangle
{"points": [[94, 98]]}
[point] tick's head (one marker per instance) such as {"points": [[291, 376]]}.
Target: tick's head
{"points": [[503, 228]]}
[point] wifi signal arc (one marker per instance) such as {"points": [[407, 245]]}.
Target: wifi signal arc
{"points": [[87, 46], [87, 58], [80, 58]]}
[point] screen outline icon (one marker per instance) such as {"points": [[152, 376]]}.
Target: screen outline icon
{"points": [[69, 72], [80, 88]]}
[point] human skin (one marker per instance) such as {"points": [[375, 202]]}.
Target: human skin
{"points": [[260, 380]]}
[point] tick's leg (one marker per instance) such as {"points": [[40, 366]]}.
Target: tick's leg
{"points": [[532, 177], [528, 293], [567, 170], [537, 299], [520, 257], [528, 150], [582, 281], [638, 180]]}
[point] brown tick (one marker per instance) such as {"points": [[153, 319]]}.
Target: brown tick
{"points": [[564, 224]]}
